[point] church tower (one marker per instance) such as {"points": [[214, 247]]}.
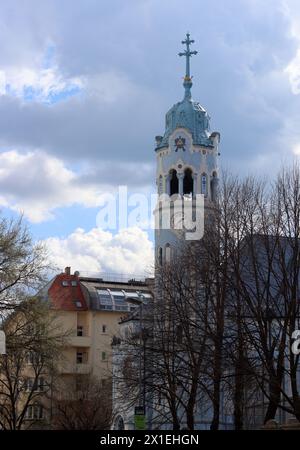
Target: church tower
{"points": [[187, 161]]}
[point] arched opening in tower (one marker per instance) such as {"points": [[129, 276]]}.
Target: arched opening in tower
{"points": [[173, 182], [214, 186], [188, 183], [160, 256]]}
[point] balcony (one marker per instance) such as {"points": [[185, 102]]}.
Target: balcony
{"points": [[79, 341], [82, 369]]}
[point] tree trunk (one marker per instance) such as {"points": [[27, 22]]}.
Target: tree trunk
{"points": [[216, 388], [273, 401], [238, 398]]}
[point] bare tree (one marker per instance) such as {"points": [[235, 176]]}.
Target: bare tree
{"points": [[171, 340], [264, 282], [84, 405], [23, 263], [27, 373], [225, 310]]}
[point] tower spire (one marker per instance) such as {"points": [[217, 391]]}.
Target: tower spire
{"points": [[188, 54]]}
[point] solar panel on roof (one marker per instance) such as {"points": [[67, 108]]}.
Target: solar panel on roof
{"points": [[132, 294]]}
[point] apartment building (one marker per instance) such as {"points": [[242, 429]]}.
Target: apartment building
{"points": [[89, 309]]}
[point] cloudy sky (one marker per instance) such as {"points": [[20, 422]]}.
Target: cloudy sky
{"points": [[85, 85]]}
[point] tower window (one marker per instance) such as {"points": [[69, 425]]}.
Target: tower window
{"points": [[214, 187], [160, 256], [174, 187], [188, 182], [168, 253], [160, 185], [204, 184]]}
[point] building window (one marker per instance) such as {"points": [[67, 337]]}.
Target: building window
{"points": [[119, 301], [34, 358], [204, 184], [104, 328], [103, 356], [80, 330], [79, 383], [41, 384], [73, 283], [105, 299], [81, 357], [188, 183], [65, 283], [28, 384], [174, 185], [33, 385], [34, 412]]}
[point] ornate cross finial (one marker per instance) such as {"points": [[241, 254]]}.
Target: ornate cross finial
{"points": [[188, 53]]}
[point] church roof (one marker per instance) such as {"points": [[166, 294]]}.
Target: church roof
{"points": [[192, 116], [188, 113]]}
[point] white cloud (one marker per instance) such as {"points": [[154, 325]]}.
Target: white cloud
{"points": [[296, 150], [45, 83], [37, 84], [293, 71], [291, 9], [111, 87], [128, 252], [39, 79], [37, 183]]}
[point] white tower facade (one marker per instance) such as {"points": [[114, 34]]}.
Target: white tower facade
{"points": [[187, 160]]}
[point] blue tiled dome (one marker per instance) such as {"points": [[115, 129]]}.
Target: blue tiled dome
{"points": [[188, 114]]}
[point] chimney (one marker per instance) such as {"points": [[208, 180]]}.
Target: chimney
{"points": [[68, 270]]}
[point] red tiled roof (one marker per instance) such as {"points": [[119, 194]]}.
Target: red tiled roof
{"points": [[65, 297]]}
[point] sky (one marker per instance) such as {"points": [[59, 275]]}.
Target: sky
{"points": [[84, 88]]}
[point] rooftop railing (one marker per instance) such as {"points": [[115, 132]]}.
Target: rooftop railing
{"points": [[115, 277]]}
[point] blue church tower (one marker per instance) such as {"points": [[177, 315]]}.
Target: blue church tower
{"points": [[187, 160]]}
